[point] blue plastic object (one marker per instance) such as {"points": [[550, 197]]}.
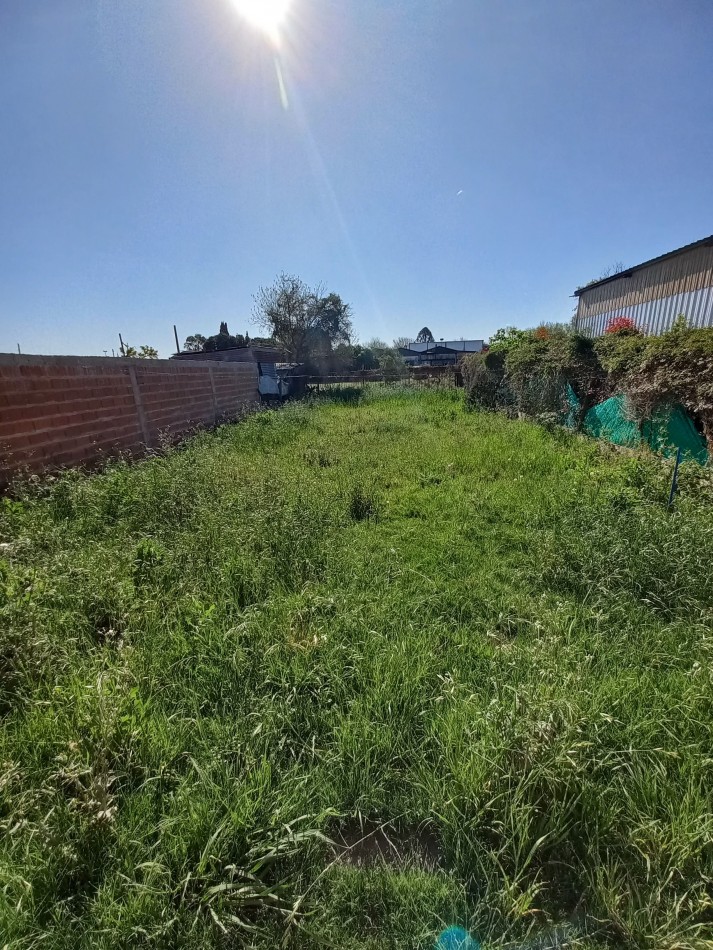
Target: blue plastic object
{"points": [[455, 938]]}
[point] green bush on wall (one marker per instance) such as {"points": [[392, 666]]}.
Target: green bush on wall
{"points": [[623, 386]]}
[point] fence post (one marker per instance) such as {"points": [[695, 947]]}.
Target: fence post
{"points": [[215, 395], [674, 480]]}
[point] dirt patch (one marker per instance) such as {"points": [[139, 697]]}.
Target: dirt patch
{"points": [[365, 843]]}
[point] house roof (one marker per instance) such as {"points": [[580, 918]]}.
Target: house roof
{"points": [[704, 242], [236, 354], [460, 346]]}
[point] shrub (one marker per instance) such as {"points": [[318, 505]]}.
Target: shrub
{"points": [[674, 368], [622, 325], [531, 371], [539, 372], [484, 380]]}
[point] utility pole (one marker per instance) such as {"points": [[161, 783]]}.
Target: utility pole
{"points": [[175, 333], [121, 345], [18, 350]]}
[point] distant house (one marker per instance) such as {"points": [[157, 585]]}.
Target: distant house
{"points": [[439, 353], [654, 293]]}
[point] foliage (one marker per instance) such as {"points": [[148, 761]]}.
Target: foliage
{"points": [[675, 368], [402, 342], [506, 338], [306, 322], [623, 325], [540, 370], [375, 355], [222, 340], [195, 343], [488, 643], [424, 335], [484, 380], [388, 358], [364, 358], [142, 353]]}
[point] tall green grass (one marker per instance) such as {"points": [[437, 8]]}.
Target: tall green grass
{"points": [[379, 613]]}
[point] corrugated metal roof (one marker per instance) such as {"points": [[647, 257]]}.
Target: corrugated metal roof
{"points": [[707, 241]]}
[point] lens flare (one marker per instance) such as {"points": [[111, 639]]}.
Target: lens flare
{"points": [[267, 16]]}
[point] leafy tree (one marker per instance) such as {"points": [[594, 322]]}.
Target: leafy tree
{"points": [[425, 336], [223, 340], [365, 358], [304, 321], [194, 343], [390, 361], [506, 338]]}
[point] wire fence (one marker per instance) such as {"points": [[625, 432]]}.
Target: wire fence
{"points": [[442, 377]]}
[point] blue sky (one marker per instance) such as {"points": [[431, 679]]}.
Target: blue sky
{"points": [[457, 163]]}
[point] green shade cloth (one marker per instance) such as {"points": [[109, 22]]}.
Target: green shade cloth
{"points": [[667, 431]]}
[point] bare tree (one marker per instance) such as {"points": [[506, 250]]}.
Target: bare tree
{"points": [[305, 321], [616, 268]]}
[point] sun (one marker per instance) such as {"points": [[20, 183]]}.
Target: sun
{"points": [[265, 15]]}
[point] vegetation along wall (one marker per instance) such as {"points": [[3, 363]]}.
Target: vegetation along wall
{"points": [[57, 411], [624, 386]]}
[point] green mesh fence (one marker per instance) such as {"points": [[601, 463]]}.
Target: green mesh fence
{"points": [[666, 432], [609, 421]]}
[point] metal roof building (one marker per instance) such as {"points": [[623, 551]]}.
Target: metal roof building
{"points": [[654, 293], [446, 352]]}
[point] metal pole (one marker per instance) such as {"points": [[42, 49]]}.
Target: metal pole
{"points": [[121, 345], [18, 350], [175, 333], [674, 480]]}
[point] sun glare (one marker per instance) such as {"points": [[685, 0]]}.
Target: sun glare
{"points": [[265, 15]]}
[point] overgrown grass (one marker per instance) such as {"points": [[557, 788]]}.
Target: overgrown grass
{"points": [[355, 614]]}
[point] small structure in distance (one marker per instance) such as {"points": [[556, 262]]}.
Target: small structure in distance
{"points": [[439, 352]]}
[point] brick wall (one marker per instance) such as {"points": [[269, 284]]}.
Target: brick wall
{"points": [[57, 411]]}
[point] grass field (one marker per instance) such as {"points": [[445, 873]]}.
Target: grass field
{"points": [[347, 673]]}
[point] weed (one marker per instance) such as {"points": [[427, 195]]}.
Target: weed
{"points": [[485, 645], [362, 504]]}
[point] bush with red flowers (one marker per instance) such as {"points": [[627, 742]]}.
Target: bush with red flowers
{"points": [[623, 325]]}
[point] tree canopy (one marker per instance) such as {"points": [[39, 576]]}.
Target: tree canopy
{"points": [[194, 343], [223, 340], [425, 336], [306, 322], [402, 342], [140, 353]]}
